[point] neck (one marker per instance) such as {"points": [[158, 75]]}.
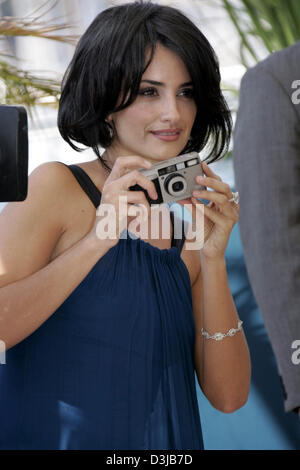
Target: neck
{"points": [[110, 157]]}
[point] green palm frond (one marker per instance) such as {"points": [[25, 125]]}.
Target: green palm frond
{"points": [[274, 24], [22, 87], [263, 27], [11, 26]]}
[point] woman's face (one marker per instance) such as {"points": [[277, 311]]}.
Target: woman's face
{"points": [[167, 105]]}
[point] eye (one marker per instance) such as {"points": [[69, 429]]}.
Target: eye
{"points": [[150, 91], [147, 91], [188, 92]]}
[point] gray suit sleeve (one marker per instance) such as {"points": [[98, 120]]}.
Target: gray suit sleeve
{"points": [[266, 160]]}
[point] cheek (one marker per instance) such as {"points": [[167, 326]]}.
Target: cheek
{"points": [[138, 114], [188, 112]]}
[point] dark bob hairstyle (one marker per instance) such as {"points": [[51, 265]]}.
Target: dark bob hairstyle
{"points": [[110, 57]]}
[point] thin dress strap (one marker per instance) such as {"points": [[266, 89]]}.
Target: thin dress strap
{"points": [[86, 183], [95, 195]]}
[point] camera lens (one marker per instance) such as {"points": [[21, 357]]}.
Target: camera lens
{"points": [[175, 185], [178, 186]]}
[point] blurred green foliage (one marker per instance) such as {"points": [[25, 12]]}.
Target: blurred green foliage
{"points": [[274, 23], [23, 87]]}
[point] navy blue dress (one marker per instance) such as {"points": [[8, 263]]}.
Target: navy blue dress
{"points": [[113, 367]]}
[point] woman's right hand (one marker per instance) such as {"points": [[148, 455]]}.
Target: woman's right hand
{"points": [[117, 184]]}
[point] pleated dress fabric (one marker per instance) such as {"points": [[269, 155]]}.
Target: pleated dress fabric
{"points": [[113, 367]]}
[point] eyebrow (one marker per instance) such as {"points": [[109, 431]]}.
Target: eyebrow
{"points": [[153, 82]]}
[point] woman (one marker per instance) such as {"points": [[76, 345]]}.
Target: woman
{"points": [[103, 336]]}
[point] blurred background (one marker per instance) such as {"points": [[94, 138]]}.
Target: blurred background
{"points": [[37, 41]]}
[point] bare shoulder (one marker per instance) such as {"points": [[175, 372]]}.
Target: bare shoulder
{"points": [[47, 183], [58, 184], [79, 210], [30, 229]]}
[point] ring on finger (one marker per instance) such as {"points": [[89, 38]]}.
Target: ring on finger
{"points": [[235, 198]]}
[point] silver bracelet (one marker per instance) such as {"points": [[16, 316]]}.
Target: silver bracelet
{"points": [[218, 336]]}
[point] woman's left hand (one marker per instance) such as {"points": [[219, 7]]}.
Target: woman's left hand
{"points": [[220, 215]]}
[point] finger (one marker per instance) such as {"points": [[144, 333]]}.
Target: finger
{"points": [[217, 217], [230, 214], [217, 185], [236, 207], [190, 205], [220, 200], [208, 171], [137, 197], [122, 164], [136, 177]]}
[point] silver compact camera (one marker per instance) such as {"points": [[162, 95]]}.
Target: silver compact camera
{"points": [[174, 179]]}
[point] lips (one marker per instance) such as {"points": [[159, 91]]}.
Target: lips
{"points": [[168, 135], [167, 132]]}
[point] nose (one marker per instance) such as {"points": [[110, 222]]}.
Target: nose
{"points": [[170, 111]]}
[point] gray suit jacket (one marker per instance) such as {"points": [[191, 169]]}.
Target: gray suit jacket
{"points": [[266, 161]]}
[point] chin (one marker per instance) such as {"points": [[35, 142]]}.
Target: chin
{"points": [[167, 154], [160, 153]]}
